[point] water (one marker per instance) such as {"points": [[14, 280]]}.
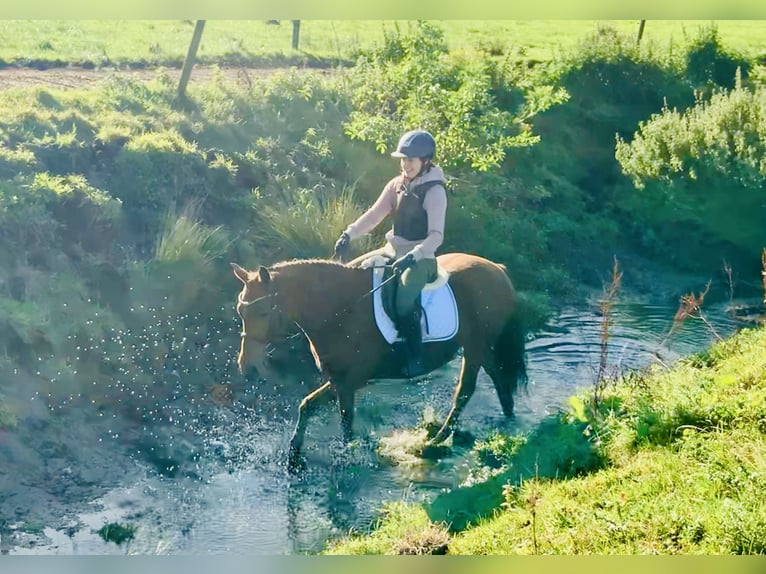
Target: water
{"points": [[235, 496]]}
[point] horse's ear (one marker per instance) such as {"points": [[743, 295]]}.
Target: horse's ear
{"points": [[263, 274], [240, 272]]}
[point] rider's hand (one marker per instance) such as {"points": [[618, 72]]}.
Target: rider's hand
{"points": [[403, 263], [343, 244]]}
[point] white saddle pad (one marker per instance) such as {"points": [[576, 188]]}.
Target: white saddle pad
{"points": [[440, 320]]}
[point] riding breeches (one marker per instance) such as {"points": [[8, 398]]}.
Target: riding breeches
{"points": [[411, 283]]}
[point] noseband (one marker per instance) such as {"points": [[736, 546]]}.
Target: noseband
{"points": [[244, 303]]}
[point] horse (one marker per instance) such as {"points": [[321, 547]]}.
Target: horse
{"points": [[329, 303]]}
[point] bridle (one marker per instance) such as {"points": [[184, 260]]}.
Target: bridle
{"points": [[243, 334]]}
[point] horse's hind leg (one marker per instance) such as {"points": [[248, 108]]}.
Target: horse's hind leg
{"points": [[504, 385], [307, 407], [507, 364], [466, 385]]}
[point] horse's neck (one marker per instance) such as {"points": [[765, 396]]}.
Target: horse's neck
{"points": [[314, 293]]}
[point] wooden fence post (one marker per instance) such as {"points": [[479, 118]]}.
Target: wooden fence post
{"points": [[296, 33], [640, 31], [191, 55]]}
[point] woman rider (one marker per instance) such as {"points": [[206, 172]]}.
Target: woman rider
{"points": [[417, 200]]}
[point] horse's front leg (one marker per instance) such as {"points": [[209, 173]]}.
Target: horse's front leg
{"points": [[466, 385], [307, 407], [345, 396]]}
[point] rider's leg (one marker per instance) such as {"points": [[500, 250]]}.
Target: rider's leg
{"points": [[408, 311]]}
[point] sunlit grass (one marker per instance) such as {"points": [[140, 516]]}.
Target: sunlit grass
{"points": [[401, 530], [686, 473], [310, 226], [185, 239], [257, 42]]}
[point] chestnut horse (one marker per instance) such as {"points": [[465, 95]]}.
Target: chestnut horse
{"points": [[331, 304]]}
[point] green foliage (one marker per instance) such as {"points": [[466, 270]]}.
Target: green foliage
{"points": [[498, 449], [309, 224], [558, 447], [413, 82], [685, 472], [27, 229], [153, 173], [117, 533], [613, 83], [15, 160], [709, 63], [396, 524], [184, 239], [707, 163]]}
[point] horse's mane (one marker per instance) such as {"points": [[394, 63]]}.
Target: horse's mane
{"points": [[312, 261]]}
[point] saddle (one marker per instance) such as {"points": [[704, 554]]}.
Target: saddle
{"points": [[439, 319]]}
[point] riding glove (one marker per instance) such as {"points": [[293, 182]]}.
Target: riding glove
{"points": [[343, 244], [403, 263]]}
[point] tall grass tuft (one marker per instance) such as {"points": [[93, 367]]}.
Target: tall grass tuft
{"points": [[605, 305], [183, 238], [309, 226]]}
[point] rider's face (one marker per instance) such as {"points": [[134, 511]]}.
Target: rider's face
{"points": [[411, 166]]}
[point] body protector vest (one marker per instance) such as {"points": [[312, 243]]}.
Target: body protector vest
{"points": [[411, 219]]}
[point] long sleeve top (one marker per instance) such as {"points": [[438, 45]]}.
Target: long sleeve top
{"points": [[434, 203]]}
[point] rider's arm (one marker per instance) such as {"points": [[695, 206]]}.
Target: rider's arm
{"points": [[370, 219]]}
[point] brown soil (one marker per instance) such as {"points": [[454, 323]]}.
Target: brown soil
{"points": [[73, 77]]}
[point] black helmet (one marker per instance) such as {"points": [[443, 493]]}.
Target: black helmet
{"points": [[416, 143]]}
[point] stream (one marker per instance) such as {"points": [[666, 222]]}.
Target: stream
{"points": [[230, 493]]}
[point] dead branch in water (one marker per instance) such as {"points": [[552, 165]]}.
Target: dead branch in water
{"points": [[605, 305]]}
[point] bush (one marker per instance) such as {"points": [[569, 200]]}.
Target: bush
{"points": [[707, 164], [708, 63], [412, 82]]}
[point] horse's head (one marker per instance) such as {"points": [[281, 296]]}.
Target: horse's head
{"points": [[262, 321]]}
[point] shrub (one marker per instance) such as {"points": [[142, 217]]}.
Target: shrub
{"points": [[412, 82], [707, 163], [709, 63]]}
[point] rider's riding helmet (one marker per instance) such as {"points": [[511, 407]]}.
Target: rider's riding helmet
{"points": [[416, 143]]}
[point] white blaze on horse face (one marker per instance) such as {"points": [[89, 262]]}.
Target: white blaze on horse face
{"points": [[254, 354], [255, 323]]}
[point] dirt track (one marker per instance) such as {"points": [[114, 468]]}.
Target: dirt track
{"points": [[72, 78]]}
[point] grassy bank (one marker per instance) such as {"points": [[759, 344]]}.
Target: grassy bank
{"points": [[322, 42], [672, 462]]}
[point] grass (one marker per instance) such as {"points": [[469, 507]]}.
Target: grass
{"points": [[117, 533], [322, 42], [684, 473]]}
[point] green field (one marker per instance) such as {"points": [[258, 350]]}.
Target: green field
{"points": [[257, 42]]}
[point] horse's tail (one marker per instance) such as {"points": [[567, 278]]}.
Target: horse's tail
{"points": [[509, 349], [508, 368]]}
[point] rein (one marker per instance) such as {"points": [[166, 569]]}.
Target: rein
{"points": [[244, 335], [371, 291]]}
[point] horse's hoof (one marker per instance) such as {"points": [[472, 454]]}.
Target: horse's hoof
{"points": [[439, 437], [432, 429]]}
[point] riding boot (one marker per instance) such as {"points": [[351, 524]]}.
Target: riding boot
{"points": [[409, 328]]}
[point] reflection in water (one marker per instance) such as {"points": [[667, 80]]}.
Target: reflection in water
{"points": [[242, 500]]}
